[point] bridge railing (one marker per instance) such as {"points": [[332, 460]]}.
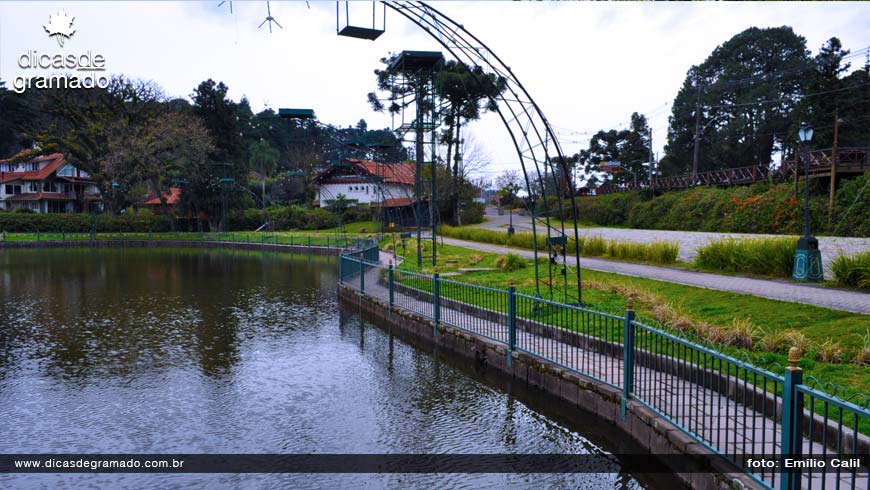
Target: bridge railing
{"points": [[737, 410]]}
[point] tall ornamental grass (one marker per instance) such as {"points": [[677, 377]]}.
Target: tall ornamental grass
{"points": [[593, 246], [762, 256], [852, 270]]}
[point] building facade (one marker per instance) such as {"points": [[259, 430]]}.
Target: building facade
{"points": [[47, 184], [366, 182]]}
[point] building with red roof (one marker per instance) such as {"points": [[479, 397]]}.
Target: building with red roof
{"points": [[366, 182], [171, 198], [47, 184]]}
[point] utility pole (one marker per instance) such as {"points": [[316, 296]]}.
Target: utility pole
{"points": [[652, 182], [835, 157], [697, 135]]}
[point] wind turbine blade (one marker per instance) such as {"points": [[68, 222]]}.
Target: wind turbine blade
{"points": [[276, 22], [261, 24]]}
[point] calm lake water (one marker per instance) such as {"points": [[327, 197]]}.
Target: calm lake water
{"points": [[203, 351]]}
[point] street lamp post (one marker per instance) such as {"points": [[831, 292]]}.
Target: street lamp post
{"points": [[808, 258]]}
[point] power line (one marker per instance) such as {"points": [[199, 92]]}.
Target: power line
{"points": [[774, 101]]}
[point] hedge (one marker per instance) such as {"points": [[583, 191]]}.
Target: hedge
{"points": [[15, 222], [759, 208]]}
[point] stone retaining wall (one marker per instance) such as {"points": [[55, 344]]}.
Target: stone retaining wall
{"points": [[639, 422]]}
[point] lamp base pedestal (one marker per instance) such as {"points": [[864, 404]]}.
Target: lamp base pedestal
{"points": [[510, 230], [808, 266]]}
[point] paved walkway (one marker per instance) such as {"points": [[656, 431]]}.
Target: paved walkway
{"points": [[689, 241], [836, 299], [710, 408]]}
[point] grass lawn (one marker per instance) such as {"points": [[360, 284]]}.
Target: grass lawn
{"points": [[606, 292]]}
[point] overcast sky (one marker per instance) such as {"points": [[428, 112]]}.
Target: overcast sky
{"points": [[587, 65]]}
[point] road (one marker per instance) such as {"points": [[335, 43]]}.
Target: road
{"points": [[689, 241]]}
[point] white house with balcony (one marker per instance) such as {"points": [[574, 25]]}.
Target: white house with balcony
{"points": [[47, 184]]}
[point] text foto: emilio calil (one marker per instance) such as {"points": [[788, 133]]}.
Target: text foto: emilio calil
{"points": [[846, 463]]}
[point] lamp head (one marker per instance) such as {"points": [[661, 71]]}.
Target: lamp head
{"points": [[805, 133]]}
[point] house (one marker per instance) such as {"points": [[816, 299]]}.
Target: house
{"points": [[367, 182], [47, 184], [170, 198], [388, 188]]}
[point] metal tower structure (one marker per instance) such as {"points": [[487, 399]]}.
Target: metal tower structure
{"points": [[538, 150], [414, 72], [540, 156]]}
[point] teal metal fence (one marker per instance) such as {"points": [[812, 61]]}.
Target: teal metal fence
{"points": [[364, 246], [742, 412]]}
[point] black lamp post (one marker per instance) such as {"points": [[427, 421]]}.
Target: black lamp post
{"points": [[808, 258]]}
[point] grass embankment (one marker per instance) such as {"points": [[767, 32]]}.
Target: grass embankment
{"points": [[655, 253], [835, 344]]}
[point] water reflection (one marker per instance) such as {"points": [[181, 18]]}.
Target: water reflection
{"points": [[204, 351]]}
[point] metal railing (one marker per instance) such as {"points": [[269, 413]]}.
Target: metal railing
{"points": [[739, 411], [364, 246]]}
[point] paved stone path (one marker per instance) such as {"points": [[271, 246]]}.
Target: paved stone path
{"points": [[711, 409], [689, 241], [836, 299]]}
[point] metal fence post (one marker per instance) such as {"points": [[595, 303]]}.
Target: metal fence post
{"points": [[362, 277], [792, 421], [628, 355], [390, 285], [436, 304], [37, 235], [340, 272], [512, 321]]}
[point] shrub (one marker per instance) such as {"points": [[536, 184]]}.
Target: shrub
{"points": [[830, 351], [783, 340], [763, 256], [594, 246], [852, 271], [743, 333], [862, 358], [510, 262], [473, 213], [15, 222]]}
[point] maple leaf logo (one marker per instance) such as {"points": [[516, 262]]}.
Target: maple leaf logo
{"points": [[60, 26]]}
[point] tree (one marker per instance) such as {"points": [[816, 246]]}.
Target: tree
{"points": [[508, 184], [745, 94], [467, 92], [264, 160], [82, 123], [844, 98], [156, 153]]}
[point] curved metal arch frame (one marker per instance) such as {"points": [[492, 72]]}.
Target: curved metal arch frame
{"points": [[530, 130]]}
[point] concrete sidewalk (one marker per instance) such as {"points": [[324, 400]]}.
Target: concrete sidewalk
{"points": [[836, 299], [690, 241]]}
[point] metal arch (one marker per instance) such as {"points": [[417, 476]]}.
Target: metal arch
{"points": [[530, 130]]}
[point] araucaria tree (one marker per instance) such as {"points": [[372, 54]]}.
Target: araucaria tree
{"points": [[740, 99]]}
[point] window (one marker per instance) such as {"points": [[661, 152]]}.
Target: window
{"points": [[349, 188], [34, 166], [33, 186], [11, 190]]}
